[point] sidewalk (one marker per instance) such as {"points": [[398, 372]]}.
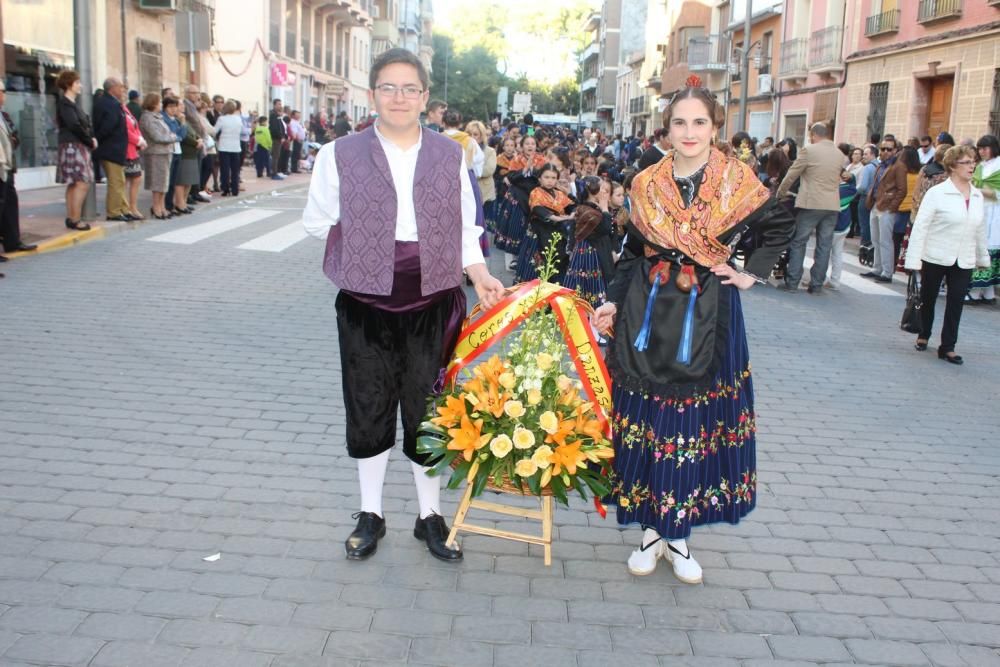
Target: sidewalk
{"points": [[43, 212]]}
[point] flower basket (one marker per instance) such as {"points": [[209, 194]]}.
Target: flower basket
{"points": [[526, 400]]}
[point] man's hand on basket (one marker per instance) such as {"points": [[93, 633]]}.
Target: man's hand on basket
{"points": [[488, 289]]}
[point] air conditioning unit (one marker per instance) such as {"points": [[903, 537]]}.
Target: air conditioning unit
{"points": [[764, 86], [158, 5]]}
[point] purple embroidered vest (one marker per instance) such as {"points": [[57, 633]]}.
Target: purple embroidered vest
{"points": [[361, 247]]}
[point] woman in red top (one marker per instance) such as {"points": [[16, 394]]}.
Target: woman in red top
{"points": [[133, 167]]}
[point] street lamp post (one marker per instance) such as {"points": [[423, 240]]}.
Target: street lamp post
{"points": [[446, 51], [741, 121]]}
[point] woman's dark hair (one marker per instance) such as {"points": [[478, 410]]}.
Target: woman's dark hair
{"points": [[715, 112], [592, 186], [991, 142], [526, 137], [170, 102], [66, 79], [740, 137], [401, 56], [793, 148], [777, 164], [452, 118], [549, 166], [845, 149], [562, 155], [910, 159]]}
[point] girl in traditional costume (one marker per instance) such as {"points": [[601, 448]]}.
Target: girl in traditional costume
{"points": [[522, 178], [987, 178], [683, 414], [591, 264], [508, 151], [548, 208]]}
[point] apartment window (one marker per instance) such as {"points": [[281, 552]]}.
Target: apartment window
{"points": [[329, 46], [150, 65], [274, 25], [795, 127], [736, 58], [306, 44], [291, 30], [878, 97], [995, 105], [685, 36], [764, 66], [317, 42]]}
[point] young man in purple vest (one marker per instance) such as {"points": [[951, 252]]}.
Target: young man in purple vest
{"points": [[397, 209]]}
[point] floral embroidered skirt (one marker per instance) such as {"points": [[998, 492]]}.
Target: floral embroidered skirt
{"points": [[511, 225], [584, 274], [527, 269], [987, 277], [688, 461]]}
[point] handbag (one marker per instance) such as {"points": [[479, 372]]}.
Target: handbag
{"points": [[911, 321]]}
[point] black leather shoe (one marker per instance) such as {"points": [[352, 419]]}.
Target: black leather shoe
{"points": [[951, 358], [363, 542], [24, 247], [434, 532], [920, 346]]}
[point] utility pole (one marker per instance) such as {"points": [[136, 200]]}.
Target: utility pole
{"points": [[579, 113], [83, 57], [741, 121], [446, 51]]}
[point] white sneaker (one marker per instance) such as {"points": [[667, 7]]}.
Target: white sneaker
{"points": [[643, 560], [686, 568]]}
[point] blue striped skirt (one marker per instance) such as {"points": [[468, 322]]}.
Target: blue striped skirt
{"points": [[692, 460]]}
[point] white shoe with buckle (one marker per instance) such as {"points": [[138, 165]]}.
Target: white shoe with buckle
{"points": [[686, 568], [643, 560]]}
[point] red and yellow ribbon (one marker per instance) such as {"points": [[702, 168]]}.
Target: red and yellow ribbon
{"points": [[481, 330]]}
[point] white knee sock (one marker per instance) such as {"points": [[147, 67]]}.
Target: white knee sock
{"points": [[371, 474], [428, 491]]}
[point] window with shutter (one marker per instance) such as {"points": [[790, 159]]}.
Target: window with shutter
{"points": [[150, 66]]}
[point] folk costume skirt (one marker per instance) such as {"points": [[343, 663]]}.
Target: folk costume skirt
{"points": [[527, 263], [512, 225], [584, 274], [393, 361], [688, 460]]}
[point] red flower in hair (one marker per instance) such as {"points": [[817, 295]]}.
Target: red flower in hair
{"points": [[693, 81]]}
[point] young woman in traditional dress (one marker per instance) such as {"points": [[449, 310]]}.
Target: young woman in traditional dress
{"points": [[987, 179], [508, 151], [522, 178], [590, 264], [548, 207], [683, 411]]}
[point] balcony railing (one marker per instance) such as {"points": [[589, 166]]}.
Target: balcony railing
{"points": [[704, 54], [933, 10], [879, 24], [824, 48], [793, 59]]}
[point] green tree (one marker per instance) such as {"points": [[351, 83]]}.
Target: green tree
{"points": [[472, 76]]}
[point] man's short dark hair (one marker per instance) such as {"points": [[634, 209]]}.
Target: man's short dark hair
{"points": [[434, 105], [394, 56], [926, 138], [276, 101], [528, 119]]}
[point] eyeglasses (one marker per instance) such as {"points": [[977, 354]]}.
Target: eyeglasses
{"points": [[390, 90], [965, 163]]}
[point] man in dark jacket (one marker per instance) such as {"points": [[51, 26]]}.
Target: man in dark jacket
{"points": [[655, 153], [276, 126], [341, 126], [112, 142]]}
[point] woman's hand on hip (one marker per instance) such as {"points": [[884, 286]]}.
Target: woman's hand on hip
{"points": [[731, 276]]}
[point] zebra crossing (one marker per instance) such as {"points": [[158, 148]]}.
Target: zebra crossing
{"points": [[288, 235]]}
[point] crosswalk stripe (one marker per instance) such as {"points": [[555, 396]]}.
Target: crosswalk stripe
{"points": [[200, 232], [280, 239]]}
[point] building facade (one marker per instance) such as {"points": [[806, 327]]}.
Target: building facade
{"points": [[765, 50], [811, 70], [599, 62], [917, 67]]}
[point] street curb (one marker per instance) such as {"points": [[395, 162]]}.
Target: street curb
{"points": [[61, 242]]}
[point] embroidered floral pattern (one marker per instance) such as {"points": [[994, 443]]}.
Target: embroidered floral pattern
{"points": [[676, 447], [722, 389], [698, 503]]}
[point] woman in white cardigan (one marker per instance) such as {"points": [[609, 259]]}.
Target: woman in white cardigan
{"points": [[228, 128], [948, 240]]}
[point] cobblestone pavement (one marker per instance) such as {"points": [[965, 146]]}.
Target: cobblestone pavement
{"points": [[164, 401]]}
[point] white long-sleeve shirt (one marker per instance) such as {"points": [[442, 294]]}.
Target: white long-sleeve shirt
{"points": [[323, 205]]}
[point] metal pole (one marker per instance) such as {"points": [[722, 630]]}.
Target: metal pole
{"points": [[741, 121], [446, 75], [579, 113], [83, 58], [124, 46]]}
